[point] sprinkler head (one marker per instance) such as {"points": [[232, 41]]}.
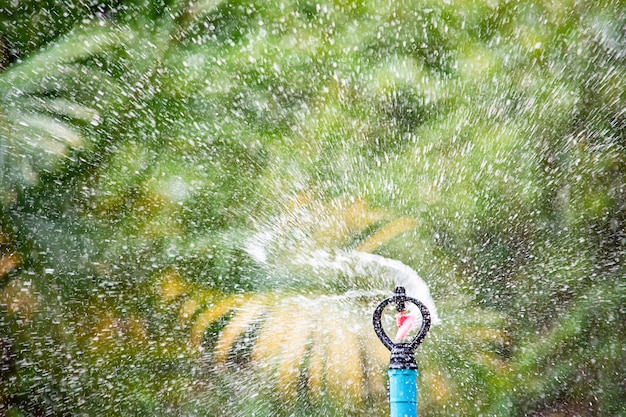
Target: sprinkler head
{"points": [[402, 354]]}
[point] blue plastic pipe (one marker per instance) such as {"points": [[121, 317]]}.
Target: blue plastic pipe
{"points": [[403, 392]]}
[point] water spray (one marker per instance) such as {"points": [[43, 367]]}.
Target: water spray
{"points": [[402, 365]]}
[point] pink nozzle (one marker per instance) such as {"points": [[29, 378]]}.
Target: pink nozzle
{"points": [[404, 322]]}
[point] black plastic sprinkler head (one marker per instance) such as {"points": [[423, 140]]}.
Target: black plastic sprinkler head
{"points": [[402, 353]]}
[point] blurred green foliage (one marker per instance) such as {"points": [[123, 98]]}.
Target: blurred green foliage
{"points": [[142, 143]]}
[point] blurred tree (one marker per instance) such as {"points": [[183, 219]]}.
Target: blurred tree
{"points": [[147, 147]]}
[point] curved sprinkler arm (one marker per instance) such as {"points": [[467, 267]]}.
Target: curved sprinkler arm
{"points": [[402, 365]]}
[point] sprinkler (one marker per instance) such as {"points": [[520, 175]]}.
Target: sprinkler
{"points": [[402, 365]]}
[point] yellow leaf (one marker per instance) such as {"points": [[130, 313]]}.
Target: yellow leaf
{"points": [[340, 221], [273, 334], [344, 372], [316, 362], [212, 314], [294, 346], [299, 201], [172, 284], [376, 360], [236, 326], [387, 232], [359, 215], [187, 310]]}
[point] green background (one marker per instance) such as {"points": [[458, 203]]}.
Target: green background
{"points": [[143, 144]]}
